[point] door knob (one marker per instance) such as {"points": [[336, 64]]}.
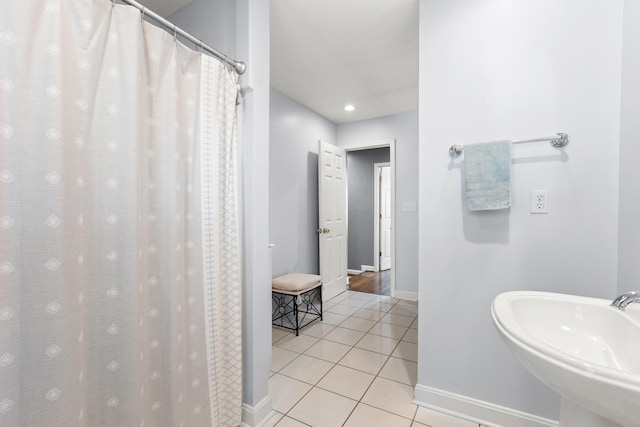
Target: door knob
{"points": [[318, 230], [325, 230]]}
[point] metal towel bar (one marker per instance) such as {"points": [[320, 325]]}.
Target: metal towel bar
{"points": [[558, 141]]}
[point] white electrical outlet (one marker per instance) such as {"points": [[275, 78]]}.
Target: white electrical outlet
{"points": [[539, 201]]}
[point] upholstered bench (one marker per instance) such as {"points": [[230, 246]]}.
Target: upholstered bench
{"points": [[296, 300]]}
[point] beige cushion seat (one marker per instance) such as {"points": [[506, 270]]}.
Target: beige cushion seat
{"points": [[295, 283], [296, 300]]}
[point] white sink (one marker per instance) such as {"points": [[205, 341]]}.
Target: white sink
{"points": [[582, 348]]}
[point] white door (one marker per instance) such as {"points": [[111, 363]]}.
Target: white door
{"points": [[385, 218], [332, 230]]}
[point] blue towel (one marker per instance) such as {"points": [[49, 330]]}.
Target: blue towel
{"points": [[487, 173]]}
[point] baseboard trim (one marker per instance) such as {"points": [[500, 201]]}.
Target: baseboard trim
{"points": [[367, 268], [254, 416], [408, 295], [476, 411], [354, 272]]}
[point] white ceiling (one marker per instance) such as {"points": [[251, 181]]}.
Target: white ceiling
{"points": [[328, 53]]}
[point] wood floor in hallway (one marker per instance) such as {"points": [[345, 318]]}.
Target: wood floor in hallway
{"points": [[371, 282]]}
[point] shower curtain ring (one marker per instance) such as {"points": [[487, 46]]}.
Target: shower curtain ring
{"points": [[175, 33], [142, 14]]}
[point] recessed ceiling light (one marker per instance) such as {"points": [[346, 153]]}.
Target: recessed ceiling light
{"points": [[350, 107]]}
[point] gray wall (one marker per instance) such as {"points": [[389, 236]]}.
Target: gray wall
{"points": [[293, 187], [629, 232], [501, 83], [361, 190], [403, 128], [212, 21]]}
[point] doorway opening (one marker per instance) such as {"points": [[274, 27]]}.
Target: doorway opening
{"points": [[371, 217]]}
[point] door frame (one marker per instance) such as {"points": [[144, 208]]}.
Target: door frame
{"points": [[382, 143], [377, 169]]}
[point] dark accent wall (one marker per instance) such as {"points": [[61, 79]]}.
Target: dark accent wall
{"points": [[361, 186]]}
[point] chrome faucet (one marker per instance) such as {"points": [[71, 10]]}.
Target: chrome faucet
{"points": [[625, 299]]}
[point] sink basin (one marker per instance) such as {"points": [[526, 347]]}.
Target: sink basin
{"points": [[582, 348]]}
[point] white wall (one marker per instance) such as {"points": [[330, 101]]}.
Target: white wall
{"points": [[403, 128], [293, 188], [495, 69], [629, 232]]}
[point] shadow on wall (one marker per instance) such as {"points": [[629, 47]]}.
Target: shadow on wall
{"points": [[312, 202], [481, 226]]}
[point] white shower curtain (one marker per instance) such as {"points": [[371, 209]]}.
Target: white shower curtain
{"points": [[119, 223]]}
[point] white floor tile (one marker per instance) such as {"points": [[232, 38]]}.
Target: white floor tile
{"points": [[333, 318], [404, 310], [366, 354], [387, 299], [290, 422], [317, 329], [437, 419], [365, 313], [338, 298], [378, 343], [286, 392], [411, 336], [299, 344], [388, 330], [307, 369], [354, 302], [345, 310], [379, 306], [361, 295], [362, 325], [277, 334], [391, 396], [320, 408], [408, 303], [406, 350], [327, 305], [364, 360], [344, 336], [400, 370], [281, 357], [328, 350], [365, 415], [346, 382], [397, 319], [414, 325]]}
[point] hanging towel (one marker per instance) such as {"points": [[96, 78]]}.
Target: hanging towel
{"points": [[487, 173]]}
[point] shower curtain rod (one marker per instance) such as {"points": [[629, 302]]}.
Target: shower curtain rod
{"points": [[240, 67]]}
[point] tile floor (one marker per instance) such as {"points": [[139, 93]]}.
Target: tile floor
{"points": [[356, 368]]}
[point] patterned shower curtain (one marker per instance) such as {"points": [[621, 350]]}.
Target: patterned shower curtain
{"points": [[119, 223]]}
